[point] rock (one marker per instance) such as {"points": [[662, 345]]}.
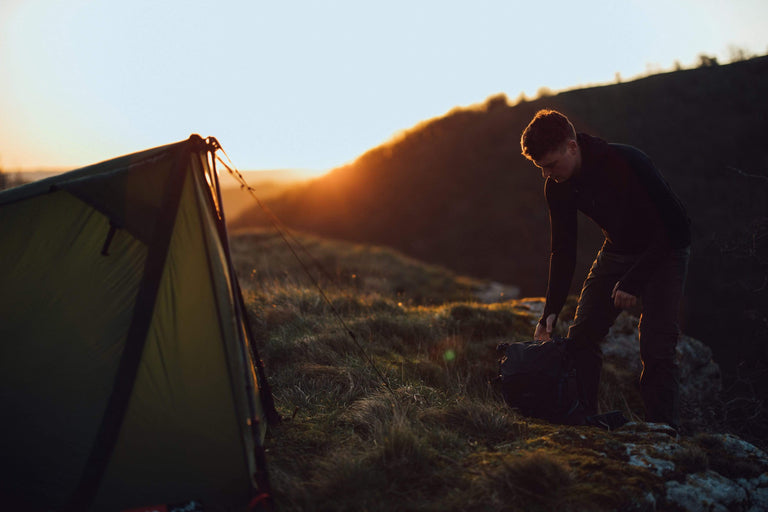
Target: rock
{"points": [[494, 292], [663, 470], [744, 450], [639, 456], [650, 446], [700, 379], [757, 489], [707, 491], [657, 431], [655, 448]]}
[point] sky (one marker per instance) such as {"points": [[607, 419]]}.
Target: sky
{"points": [[311, 85]]}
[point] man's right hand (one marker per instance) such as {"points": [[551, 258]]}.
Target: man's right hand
{"points": [[544, 333]]}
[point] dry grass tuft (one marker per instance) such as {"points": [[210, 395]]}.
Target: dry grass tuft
{"points": [[486, 422], [531, 481]]}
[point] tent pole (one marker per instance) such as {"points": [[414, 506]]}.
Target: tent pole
{"points": [[261, 475]]}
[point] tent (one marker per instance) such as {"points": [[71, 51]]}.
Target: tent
{"points": [[128, 377]]}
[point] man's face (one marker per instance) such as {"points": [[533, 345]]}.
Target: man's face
{"points": [[562, 163]]}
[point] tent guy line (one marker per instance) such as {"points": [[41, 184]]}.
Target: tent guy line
{"points": [[284, 233]]}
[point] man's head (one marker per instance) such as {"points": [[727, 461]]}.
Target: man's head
{"points": [[549, 141]]}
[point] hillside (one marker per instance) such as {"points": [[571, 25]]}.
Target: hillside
{"points": [[455, 191], [388, 401], [237, 201]]}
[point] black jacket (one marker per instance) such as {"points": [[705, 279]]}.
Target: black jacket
{"points": [[620, 189]]}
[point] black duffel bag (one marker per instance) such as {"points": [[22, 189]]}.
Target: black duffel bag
{"points": [[538, 379]]}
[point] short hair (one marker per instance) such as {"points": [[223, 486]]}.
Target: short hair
{"points": [[547, 131]]}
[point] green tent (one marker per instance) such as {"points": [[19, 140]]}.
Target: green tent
{"points": [[128, 378]]}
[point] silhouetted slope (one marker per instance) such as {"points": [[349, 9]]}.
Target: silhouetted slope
{"points": [[445, 192], [455, 191]]}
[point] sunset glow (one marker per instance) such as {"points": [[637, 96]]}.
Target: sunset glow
{"points": [[312, 85]]}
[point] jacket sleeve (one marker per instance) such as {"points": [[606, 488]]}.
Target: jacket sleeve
{"points": [[562, 258]]}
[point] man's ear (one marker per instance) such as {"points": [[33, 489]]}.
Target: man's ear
{"points": [[573, 146]]}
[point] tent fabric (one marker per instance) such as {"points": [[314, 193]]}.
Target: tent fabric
{"points": [[127, 374]]}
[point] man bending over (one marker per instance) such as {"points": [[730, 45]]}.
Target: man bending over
{"points": [[643, 260]]}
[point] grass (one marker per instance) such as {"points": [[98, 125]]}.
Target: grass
{"points": [[388, 398]]}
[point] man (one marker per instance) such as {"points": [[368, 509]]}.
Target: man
{"points": [[643, 259]]}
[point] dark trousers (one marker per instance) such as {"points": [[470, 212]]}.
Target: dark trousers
{"points": [[659, 331]]}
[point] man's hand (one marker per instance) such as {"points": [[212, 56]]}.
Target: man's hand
{"points": [[622, 300], [544, 333]]}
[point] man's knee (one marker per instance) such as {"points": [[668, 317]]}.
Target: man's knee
{"points": [[589, 331]]}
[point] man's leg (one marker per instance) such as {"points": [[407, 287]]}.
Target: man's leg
{"points": [[659, 331], [595, 314]]}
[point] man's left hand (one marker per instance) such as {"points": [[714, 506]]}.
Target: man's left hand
{"points": [[621, 299]]}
